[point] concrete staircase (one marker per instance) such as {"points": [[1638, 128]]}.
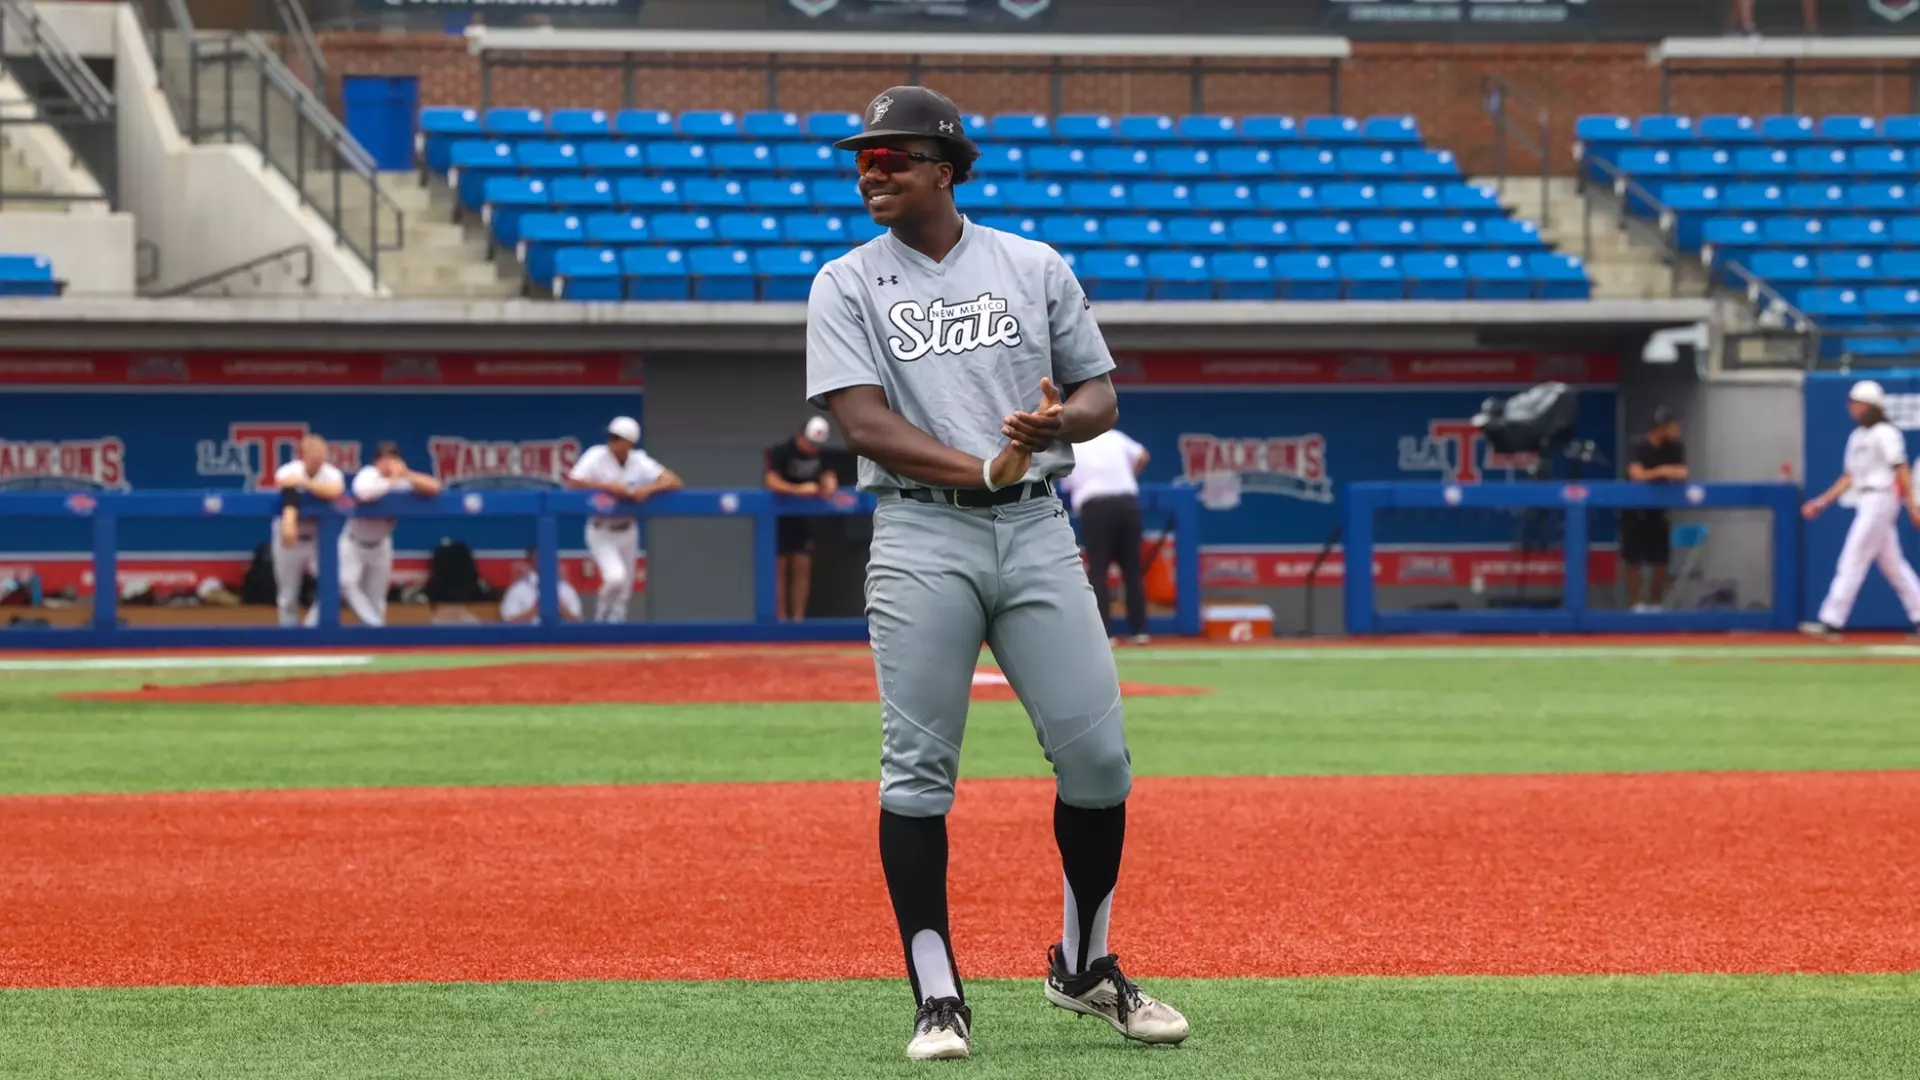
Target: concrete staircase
{"points": [[437, 256], [1624, 263]]}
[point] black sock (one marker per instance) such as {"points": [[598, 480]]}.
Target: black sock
{"points": [[913, 853], [1090, 844]]}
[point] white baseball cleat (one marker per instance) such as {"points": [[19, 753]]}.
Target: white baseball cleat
{"points": [[1819, 630], [941, 1031], [1102, 991]]}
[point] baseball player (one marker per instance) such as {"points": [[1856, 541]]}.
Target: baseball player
{"points": [[295, 537], [1105, 489], [366, 544], [521, 601], [1876, 469], [1646, 536], [795, 468], [621, 469], [959, 362]]}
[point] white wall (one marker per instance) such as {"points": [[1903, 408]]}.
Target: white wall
{"points": [[208, 208], [91, 251]]}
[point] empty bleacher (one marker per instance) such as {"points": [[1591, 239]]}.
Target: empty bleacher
{"points": [[714, 205], [1824, 211], [27, 275]]}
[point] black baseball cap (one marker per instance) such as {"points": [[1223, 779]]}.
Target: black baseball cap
{"points": [[913, 112]]}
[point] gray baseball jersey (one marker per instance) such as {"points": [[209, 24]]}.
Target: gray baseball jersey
{"points": [[957, 345]]}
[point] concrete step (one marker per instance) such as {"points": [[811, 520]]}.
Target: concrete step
{"points": [[459, 253], [496, 290], [410, 275]]}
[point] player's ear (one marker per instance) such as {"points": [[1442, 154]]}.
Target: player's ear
{"points": [[946, 175]]}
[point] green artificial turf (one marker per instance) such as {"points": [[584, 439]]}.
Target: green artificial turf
{"points": [[1682, 1027], [1276, 712]]}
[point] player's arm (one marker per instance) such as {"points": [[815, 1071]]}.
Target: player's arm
{"points": [[423, 485], [1827, 498], [1092, 408], [370, 486], [877, 433], [1081, 363], [1140, 461], [668, 480], [328, 487], [780, 485]]}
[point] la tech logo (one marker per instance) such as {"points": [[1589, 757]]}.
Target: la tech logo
{"points": [[255, 448], [1457, 450]]}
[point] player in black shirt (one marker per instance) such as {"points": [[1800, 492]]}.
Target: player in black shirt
{"points": [[1645, 535], [795, 467]]}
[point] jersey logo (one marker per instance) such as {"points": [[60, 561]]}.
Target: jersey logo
{"points": [[944, 330], [887, 279]]}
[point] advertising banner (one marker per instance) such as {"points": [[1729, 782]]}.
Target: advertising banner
{"points": [[1828, 426], [1450, 13], [1887, 16], [976, 11]]}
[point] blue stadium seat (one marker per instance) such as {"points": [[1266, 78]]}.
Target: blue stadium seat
{"points": [[1372, 275], [1498, 275], [1667, 129], [1036, 195], [1724, 232], [1184, 163], [1224, 198], [1596, 132], [1391, 130], [977, 127], [1325, 234], [1330, 129], [975, 197], [1787, 129], [1794, 232], [1901, 265], [541, 236], [1307, 164], [1207, 128], [1070, 230], [1819, 198], [1512, 234], [654, 273], [1897, 302], [1020, 127], [643, 124], [1386, 232], [1147, 129], [1860, 232], [1744, 199], [1113, 275], [735, 158], [676, 156], [581, 124], [1240, 275], [1179, 275], [862, 228], [507, 200], [1429, 164], [770, 194], [683, 228], [772, 125], [1822, 161], [786, 273], [617, 157], [1476, 198], [1434, 275], [1712, 165], [1876, 196], [722, 273], [749, 229], [1851, 267], [586, 274], [829, 194], [616, 230], [1410, 198], [27, 276], [1306, 276], [514, 121], [1728, 129], [1161, 197], [1346, 198], [715, 194], [591, 192], [440, 128], [1261, 232], [1059, 162], [1288, 198], [1452, 233], [1647, 165], [1878, 347], [1849, 129], [815, 230], [471, 164], [1133, 232], [807, 158], [1199, 232], [1839, 304], [1560, 277], [1904, 130], [1122, 161], [1906, 231], [1882, 161], [1269, 129], [1018, 224], [550, 159], [831, 127], [1093, 128], [1763, 163], [1002, 162], [1245, 161], [1370, 163]]}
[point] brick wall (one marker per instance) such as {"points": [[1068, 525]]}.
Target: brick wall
{"points": [[1439, 83]]}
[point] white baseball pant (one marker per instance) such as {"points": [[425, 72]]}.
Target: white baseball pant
{"points": [[1873, 538], [291, 562], [364, 574], [614, 550]]}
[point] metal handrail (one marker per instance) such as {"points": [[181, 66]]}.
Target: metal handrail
{"points": [[1803, 326], [258, 261], [72, 73], [1625, 188], [293, 18], [1497, 98]]}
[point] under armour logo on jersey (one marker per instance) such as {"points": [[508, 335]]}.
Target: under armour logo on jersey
{"points": [[943, 330], [887, 279], [880, 108]]}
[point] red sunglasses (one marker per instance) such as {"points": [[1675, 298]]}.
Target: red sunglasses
{"points": [[888, 160]]}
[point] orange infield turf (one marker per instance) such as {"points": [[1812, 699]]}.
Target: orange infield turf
{"points": [[1731, 872]]}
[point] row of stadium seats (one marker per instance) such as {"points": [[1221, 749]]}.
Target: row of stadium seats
{"points": [[1601, 132], [659, 273], [753, 229], [1695, 204], [1769, 163], [27, 275], [1028, 195]]}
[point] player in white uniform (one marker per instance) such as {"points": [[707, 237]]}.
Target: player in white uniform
{"points": [[620, 469], [1876, 471], [521, 601], [294, 537], [366, 544]]}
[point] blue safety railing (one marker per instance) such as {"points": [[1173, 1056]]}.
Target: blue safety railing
{"points": [[1362, 501], [762, 508]]}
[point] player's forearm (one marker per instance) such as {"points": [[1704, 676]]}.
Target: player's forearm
{"points": [[424, 485], [325, 489], [1091, 410], [608, 487], [1838, 489], [885, 437], [1903, 483], [779, 485]]}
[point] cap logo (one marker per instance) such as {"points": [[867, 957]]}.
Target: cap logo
{"points": [[881, 106], [946, 127]]}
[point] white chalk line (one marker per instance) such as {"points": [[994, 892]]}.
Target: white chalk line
{"points": [[184, 663], [1517, 654]]}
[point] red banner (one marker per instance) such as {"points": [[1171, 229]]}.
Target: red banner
{"points": [[180, 576], [293, 369], [1388, 369], [1276, 568]]}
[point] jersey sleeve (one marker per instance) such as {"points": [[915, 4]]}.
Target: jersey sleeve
{"points": [[287, 474], [518, 601], [838, 353], [1893, 445], [1079, 349], [586, 463], [647, 469], [369, 485]]}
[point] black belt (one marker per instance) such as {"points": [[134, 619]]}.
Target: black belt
{"points": [[979, 498], [368, 544], [616, 524]]}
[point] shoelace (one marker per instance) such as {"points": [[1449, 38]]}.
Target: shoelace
{"points": [[1126, 994], [943, 1013]]}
